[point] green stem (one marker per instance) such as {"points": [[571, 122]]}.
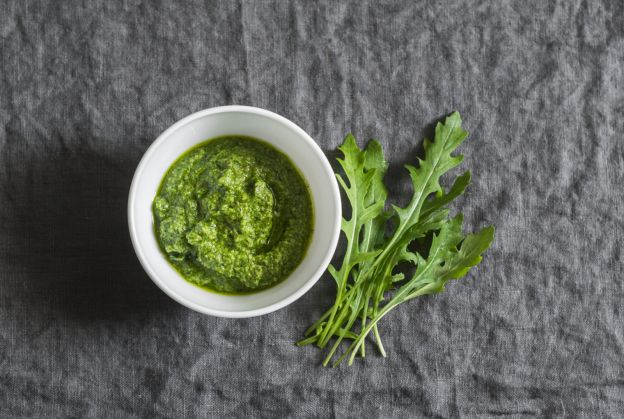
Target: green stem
{"points": [[364, 319], [324, 316], [317, 323], [333, 309], [304, 342], [356, 344], [331, 329], [378, 340], [339, 340], [406, 291], [352, 349]]}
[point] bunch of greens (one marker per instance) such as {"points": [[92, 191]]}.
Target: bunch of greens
{"points": [[372, 279]]}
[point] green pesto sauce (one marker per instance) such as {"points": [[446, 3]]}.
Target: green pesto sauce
{"points": [[233, 215]]}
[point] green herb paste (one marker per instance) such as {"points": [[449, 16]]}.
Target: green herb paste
{"points": [[233, 215]]}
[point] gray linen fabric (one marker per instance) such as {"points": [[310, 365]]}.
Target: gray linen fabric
{"points": [[537, 329]]}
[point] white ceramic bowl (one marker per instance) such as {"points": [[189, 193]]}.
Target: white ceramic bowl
{"points": [[283, 135]]}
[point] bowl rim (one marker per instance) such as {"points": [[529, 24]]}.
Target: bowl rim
{"points": [[316, 275]]}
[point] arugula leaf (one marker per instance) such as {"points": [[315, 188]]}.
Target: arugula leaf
{"points": [[425, 177], [445, 262], [364, 171], [369, 284], [374, 228]]}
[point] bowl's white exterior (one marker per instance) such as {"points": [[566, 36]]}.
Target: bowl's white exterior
{"points": [[283, 135]]}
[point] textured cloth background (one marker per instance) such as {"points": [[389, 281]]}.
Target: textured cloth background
{"points": [[537, 329]]}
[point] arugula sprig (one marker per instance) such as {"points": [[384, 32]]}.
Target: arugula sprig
{"points": [[369, 283]]}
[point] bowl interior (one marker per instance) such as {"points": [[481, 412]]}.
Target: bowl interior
{"points": [[283, 135]]}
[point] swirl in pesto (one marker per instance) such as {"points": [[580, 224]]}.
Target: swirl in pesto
{"points": [[233, 215]]}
